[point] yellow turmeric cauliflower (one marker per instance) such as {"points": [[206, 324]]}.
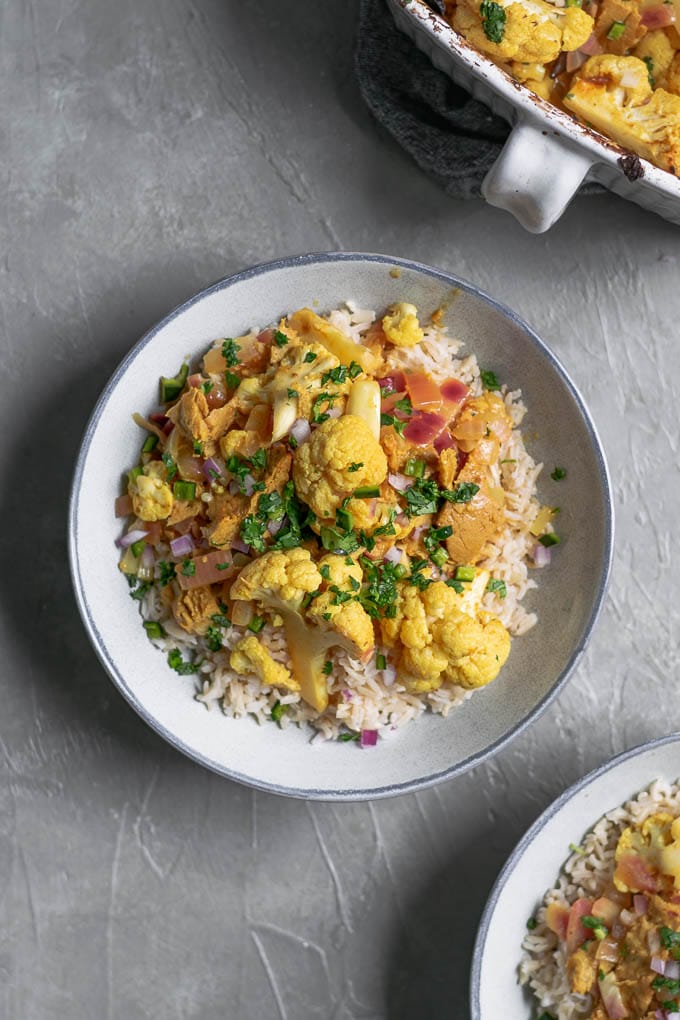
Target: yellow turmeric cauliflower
{"points": [[336, 609], [529, 31], [278, 579], [341, 456], [152, 498], [295, 383], [441, 636], [614, 95], [249, 656], [401, 326]]}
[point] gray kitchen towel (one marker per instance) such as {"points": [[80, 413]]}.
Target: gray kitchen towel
{"points": [[451, 136]]}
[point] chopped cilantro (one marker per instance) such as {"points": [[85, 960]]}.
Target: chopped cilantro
{"points": [[650, 71], [344, 519], [252, 533], [462, 493], [422, 497], [198, 447], [188, 568], [166, 573], [140, 591], [532, 923], [309, 357], [550, 538], [325, 572], [230, 351], [388, 527], [493, 22], [214, 638], [280, 339], [598, 927], [432, 540], [292, 394], [497, 586], [176, 662], [457, 585], [345, 738], [327, 667], [355, 466], [259, 459], [670, 939], [333, 540], [354, 369], [668, 984], [490, 379], [558, 474], [278, 711], [389, 419], [319, 416], [220, 619], [292, 442], [335, 375], [207, 386], [222, 566], [232, 380]]}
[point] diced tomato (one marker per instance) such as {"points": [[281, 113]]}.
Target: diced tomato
{"points": [[576, 933], [423, 428], [444, 441], [423, 391], [636, 873], [557, 919], [123, 506], [606, 910], [207, 569]]}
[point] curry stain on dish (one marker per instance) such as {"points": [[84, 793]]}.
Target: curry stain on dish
{"points": [[327, 527]]}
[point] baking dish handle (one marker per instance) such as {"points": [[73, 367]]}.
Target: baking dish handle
{"points": [[536, 176]]}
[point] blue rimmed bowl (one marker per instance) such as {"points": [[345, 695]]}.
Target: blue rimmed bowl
{"points": [[432, 749], [534, 866]]}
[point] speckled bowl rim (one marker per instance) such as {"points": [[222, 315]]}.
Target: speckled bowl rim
{"points": [[390, 790], [527, 839]]}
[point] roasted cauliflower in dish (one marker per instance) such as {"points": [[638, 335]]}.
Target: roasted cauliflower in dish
{"points": [[613, 64], [333, 521]]}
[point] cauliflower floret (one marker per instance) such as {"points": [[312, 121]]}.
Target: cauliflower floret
{"points": [[672, 80], [278, 579], [348, 620], [529, 31], [657, 53], [251, 657], [341, 456], [295, 383], [443, 637], [311, 328], [152, 498], [614, 95], [401, 326]]}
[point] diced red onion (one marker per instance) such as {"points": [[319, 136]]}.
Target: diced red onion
{"points": [[660, 1014], [660, 16], [389, 675], [575, 59], [211, 469], [541, 555], [168, 427], [401, 520], [301, 430], [658, 965], [240, 546], [417, 532], [249, 485], [400, 482], [653, 941], [132, 536], [592, 46], [368, 738], [334, 412], [234, 487], [182, 546], [347, 695], [627, 918], [618, 930], [444, 441], [672, 971], [393, 555], [275, 526], [147, 558], [640, 903]]}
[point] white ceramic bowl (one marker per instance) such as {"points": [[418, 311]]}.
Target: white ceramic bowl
{"points": [[534, 866], [548, 154], [433, 748]]}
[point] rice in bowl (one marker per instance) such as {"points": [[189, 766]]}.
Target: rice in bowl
{"points": [[240, 658], [605, 942]]}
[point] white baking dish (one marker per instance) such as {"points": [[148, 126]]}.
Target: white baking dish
{"points": [[548, 154]]}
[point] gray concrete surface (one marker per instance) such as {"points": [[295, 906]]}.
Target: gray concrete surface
{"points": [[146, 150]]}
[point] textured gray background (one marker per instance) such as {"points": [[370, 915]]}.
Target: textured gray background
{"points": [[146, 150]]}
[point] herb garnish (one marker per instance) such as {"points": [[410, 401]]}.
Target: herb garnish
{"points": [[230, 351]]}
